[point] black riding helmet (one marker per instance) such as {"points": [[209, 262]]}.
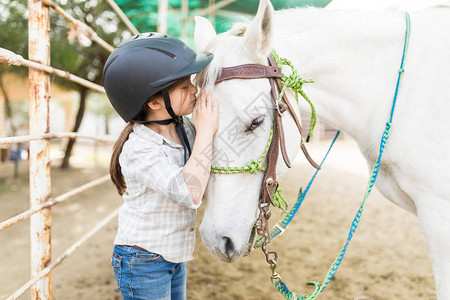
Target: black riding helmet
{"points": [[144, 65]]}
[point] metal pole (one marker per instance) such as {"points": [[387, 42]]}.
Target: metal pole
{"points": [[212, 14], [27, 138], [40, 223], [53, 201], [209, 9], [2, 117], [80, 26], [122, 16], [65, 254], [11, 58], [163, 6], [184, 15]]}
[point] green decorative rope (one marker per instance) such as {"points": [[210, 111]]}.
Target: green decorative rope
{"points": [[253, 167], [279, 201], [295, 82]]}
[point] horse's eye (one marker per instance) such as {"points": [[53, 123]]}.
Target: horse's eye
{"points": [[255, 123]]}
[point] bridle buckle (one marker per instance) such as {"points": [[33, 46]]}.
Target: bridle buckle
{"points": [[281, 108]]}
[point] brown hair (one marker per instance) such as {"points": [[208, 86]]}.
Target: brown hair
{"points": [[115, 170]]}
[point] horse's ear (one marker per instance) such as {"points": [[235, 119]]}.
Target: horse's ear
{"points": [[259, 33], [203, 34]]}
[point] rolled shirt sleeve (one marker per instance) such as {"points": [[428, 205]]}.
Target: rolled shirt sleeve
{"points": [[179, 191]]}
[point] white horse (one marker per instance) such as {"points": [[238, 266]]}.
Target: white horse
{"points": [[354, 57]]}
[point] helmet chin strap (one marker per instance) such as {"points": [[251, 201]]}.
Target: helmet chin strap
{"points": [[178, 120]]}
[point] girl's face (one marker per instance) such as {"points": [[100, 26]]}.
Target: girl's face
{"points": [[183, 98]]}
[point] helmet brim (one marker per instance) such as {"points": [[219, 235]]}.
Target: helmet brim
{"points": [[198, 64]]}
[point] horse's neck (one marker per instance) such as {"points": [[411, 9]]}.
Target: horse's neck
{"points": [[353, 58]]}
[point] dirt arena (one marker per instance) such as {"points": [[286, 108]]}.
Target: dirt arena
{"points": [[387, 258]]}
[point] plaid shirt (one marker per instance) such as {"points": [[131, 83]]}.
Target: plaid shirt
{"points": [[158, 213]]}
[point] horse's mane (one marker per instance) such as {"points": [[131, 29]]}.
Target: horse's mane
{"points": [[207, 77], [445, 4]]}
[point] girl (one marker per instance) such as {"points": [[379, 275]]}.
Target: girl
{"points": [[160, 176]]}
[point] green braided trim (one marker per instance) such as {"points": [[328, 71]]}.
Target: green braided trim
{"points": [[295, 82], [253, 167]]}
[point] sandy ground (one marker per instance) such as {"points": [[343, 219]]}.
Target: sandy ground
{"points": [[387, 258]]}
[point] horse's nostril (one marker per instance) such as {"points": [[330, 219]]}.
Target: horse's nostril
{"points": [[229, 247]]}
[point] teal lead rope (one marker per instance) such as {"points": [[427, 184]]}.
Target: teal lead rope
{"points": [[279, 284], [281, 225]]}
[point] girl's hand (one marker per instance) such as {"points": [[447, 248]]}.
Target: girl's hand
{"points": [[207, 114], [198, 165]]}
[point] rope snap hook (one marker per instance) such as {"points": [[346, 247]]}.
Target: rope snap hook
{"points": [[273, 266]]}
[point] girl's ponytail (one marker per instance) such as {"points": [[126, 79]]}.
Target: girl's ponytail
{"points": [[114, 168]]}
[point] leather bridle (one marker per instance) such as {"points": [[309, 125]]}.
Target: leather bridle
{"points": [[269, 183]]}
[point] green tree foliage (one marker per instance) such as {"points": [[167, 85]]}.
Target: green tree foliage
{"points": [[83, 61], [86, 62], [13, 16]]}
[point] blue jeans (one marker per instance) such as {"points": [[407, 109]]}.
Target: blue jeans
{"points": [[143, 275]]}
